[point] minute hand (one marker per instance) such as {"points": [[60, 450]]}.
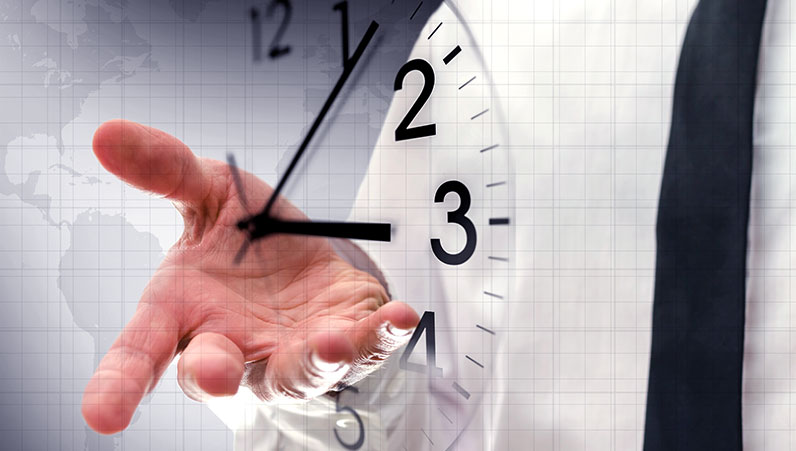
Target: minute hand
{"points": [[348, 68]]}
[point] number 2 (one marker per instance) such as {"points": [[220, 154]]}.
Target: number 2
{"points": [[257, 33], [403, 132], [276, 49], [459, 217]]}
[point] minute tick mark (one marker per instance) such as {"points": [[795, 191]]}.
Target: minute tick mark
{"points": [[473, 360], [416, 10], [429, 438], [443, 414], [485, 329], [479, 114], [500, 259], [492, 147], [465, 394], [467, 83], [435, 30], [493, 295]]}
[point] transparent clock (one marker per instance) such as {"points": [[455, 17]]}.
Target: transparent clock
{"points": [[434, 216]]}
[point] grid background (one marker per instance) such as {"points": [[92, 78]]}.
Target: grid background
{"points": [[587, 87]]}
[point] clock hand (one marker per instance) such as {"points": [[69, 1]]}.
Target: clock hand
{"points": [[233, 166], [347, 70], [261, 226]]}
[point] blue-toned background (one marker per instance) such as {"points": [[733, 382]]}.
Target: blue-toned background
{"points": [[78, 247]]}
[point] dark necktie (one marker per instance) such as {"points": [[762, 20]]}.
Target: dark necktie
{"points": [[694, 399]]}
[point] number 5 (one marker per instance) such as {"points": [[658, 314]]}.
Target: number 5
{"points": [[361, 440]]}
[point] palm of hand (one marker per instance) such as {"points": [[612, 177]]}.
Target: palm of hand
{"points": [[285, 285], [293, 319]]}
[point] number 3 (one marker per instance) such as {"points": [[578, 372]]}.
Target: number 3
{"points": [[456, 217]]}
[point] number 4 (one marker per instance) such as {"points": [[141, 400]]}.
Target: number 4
{"points": [[426, 324]]}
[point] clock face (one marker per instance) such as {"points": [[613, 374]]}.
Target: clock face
{"points": [[439, 179]]}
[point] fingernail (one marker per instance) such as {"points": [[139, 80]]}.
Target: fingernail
{"points": [[397, 331], [192, 390], [323, 366]]}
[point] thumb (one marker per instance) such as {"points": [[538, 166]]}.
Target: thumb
{"points": [[151, 160]]}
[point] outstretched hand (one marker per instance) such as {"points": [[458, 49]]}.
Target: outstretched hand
{"points": [[291, 320]]}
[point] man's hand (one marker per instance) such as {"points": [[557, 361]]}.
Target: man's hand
{"points": [[292, 320]]}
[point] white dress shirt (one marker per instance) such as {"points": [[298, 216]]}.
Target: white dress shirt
{"points": [[599, 76], [769, 401], [587, 88]]}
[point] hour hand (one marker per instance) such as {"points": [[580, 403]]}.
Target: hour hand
{"points": [[261, 226]]}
